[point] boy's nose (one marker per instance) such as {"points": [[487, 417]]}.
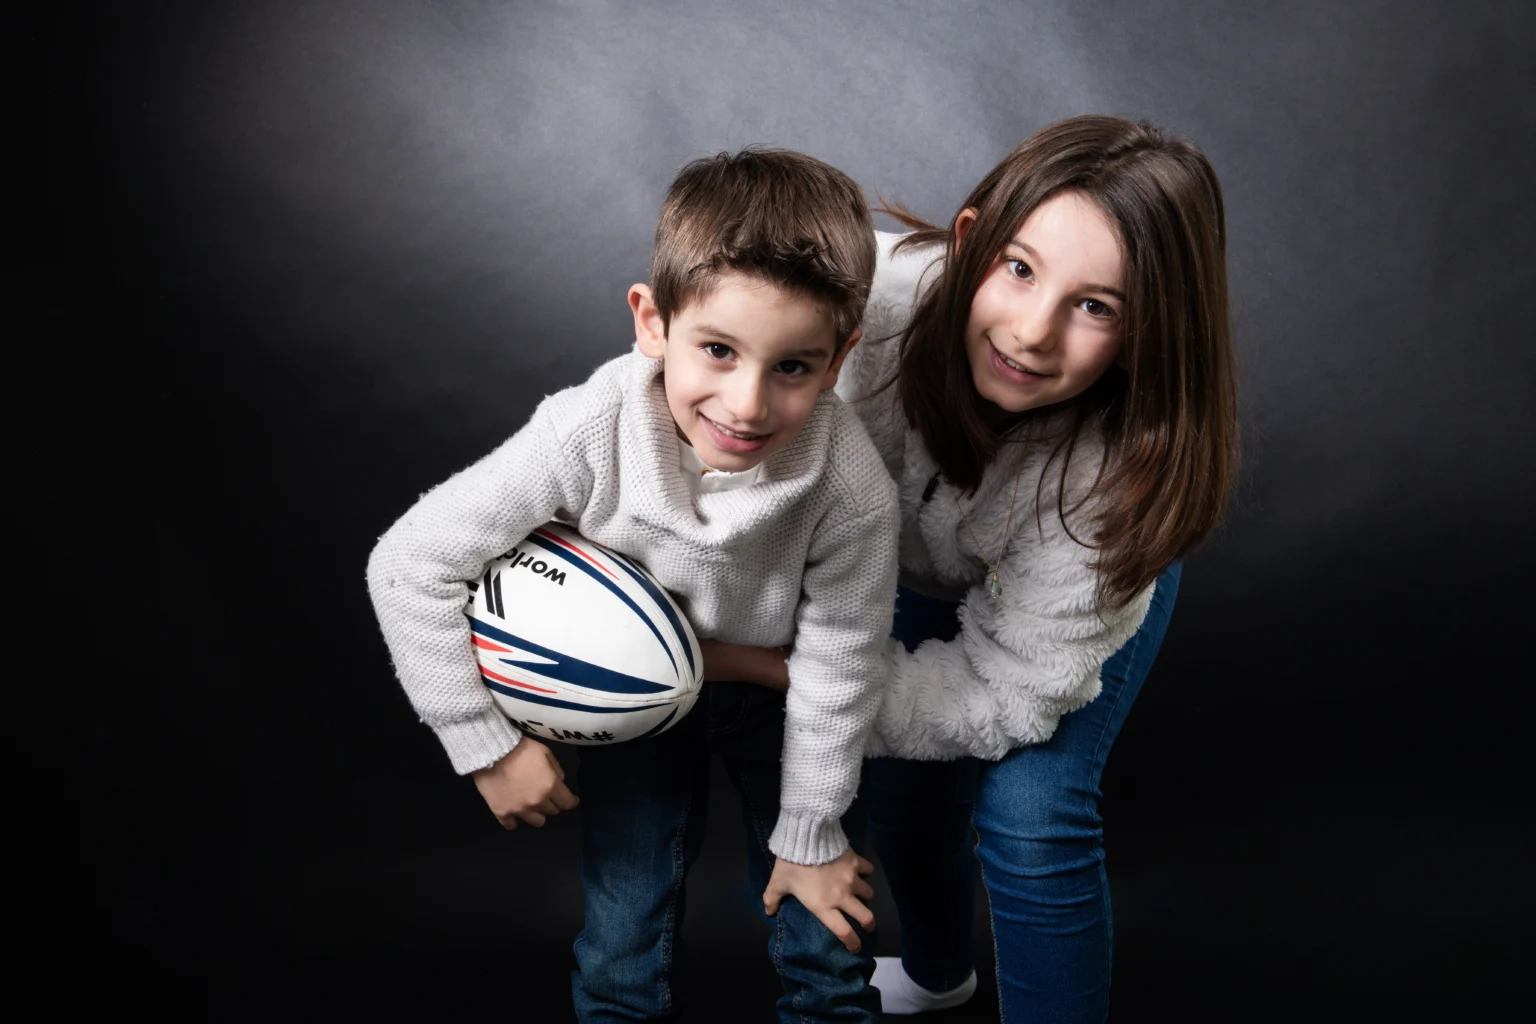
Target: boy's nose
{"points": [[748, 401]]}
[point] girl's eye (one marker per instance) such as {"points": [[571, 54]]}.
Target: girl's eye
{"points": [[1019, 269], [1099, 309], [793, 368], [716, 350]]}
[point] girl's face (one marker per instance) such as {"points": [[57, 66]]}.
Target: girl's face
{"points": [[1048, 319]]}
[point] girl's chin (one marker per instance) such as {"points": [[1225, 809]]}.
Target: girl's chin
{"points": [[1002, 403]]}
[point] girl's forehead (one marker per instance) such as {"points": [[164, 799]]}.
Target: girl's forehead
{"points": [[1070, 232]]}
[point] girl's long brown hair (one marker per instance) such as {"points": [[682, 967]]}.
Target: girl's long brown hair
{"points": [[1169, 417]]}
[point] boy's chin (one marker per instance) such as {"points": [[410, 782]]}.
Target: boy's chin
{"points": [[729, 462]]}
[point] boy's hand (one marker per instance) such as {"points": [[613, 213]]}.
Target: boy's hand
{"points": [[827, 890], [737, 663], [527, 784]]}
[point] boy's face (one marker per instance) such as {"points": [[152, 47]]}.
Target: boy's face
{"points": [[744, 366]]}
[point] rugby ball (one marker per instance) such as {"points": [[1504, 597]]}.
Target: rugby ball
{"points": [[579, 644]]}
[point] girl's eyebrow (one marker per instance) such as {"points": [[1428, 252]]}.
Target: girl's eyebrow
{"points": [[1019, 243], [1113, 293]]}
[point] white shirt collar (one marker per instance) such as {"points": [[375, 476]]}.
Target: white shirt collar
{"points": [[704, 480]]}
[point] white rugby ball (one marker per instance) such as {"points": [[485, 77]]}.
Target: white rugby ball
{"points": [[579, 644]]}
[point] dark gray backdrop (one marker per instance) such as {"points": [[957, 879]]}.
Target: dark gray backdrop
{"points": [[314, 257]]}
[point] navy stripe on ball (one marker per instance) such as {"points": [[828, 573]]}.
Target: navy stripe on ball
{"points": [[566, 556], [664, 604], [537, 698], [653, 730], [568, 669]]}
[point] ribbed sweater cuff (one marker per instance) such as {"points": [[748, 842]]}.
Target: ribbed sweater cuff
{"points": [[478, 742], [807, 840]]}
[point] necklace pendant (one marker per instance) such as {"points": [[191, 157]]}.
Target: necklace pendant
{"points": [[994, 588]]}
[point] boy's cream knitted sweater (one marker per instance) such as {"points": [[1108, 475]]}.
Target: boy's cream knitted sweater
{"points": [[805, 555]]}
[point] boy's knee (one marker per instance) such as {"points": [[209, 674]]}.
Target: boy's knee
{"points": [[628, 967], [803, 946], [605, 990]]}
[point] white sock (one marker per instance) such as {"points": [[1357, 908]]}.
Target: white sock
{"points": [[899, 994]]}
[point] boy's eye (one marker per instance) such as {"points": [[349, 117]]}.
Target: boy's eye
{"points": [[1096, 308], [716, 350], [1019, 269]]}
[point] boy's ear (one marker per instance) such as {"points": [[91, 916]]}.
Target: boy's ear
{"points": [[650, 333], [963, 221], [829, 379]]}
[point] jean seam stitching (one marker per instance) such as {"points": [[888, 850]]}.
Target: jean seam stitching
{"points": [[779, 927], [679, 840], [725, 730], [1098, 746], [997, 963]]}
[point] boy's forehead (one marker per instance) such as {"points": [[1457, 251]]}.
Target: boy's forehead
{"points": [[734, 306]]}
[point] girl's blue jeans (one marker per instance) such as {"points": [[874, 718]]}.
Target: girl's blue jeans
{"points": [[1033, 818]]}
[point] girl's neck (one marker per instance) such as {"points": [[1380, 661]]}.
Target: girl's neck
{"points": [[999, 420]]}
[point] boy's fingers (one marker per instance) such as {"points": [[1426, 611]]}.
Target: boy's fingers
{"points": [[863, 890], [509, 822], [770, 903], [563, 798], [554, 762], [862, 914], [533, 818], [839, 926], [864, 867]]}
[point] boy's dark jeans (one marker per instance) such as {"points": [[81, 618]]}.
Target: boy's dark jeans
{"points": [[643, 806]]}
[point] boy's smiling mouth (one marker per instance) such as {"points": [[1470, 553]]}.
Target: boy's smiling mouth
{"points": [[735, 441]]}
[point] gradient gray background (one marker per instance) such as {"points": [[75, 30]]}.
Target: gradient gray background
{"points": [[336, 251]]}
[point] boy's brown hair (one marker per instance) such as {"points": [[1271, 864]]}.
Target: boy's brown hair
{"points": [[774, 214]]}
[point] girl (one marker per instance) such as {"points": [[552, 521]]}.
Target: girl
{"points": [[1057, 402]]}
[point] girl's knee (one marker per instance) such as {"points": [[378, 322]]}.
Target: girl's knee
{"points": [[1033, 834]]}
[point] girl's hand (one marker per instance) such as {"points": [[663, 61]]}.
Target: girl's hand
{"points": [[737, 663], [527, 784], [827, 890]]}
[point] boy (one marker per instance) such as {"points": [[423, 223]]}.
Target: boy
{"points": [[717, 456]]}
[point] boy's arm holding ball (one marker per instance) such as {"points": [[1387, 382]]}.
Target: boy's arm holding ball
{"points": [[417, 578]]}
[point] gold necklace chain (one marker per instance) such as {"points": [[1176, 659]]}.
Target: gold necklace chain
{"points": [[994, 585]]}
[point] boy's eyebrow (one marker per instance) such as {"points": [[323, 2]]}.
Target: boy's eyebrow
{"points": [[714, 332], [808, 352], [1019, 243]]}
